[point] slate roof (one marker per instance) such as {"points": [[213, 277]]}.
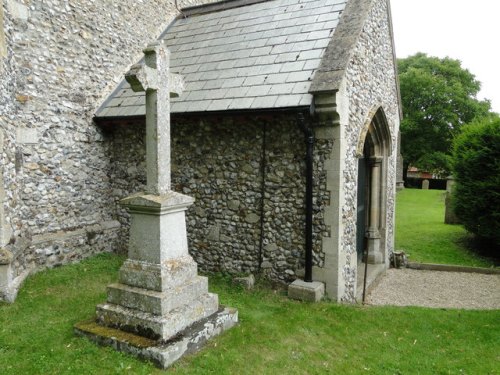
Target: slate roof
{"points": [[257, 56]]}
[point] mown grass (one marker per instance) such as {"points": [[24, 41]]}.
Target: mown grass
{"points": [[423, 235], [275, 335]]}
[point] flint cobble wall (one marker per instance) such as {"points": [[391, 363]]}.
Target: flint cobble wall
{"points": [[61, 59], [371, 82], [247, 176]]}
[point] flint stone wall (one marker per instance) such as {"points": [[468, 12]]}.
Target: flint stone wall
{"points": [[59, 60], [247, 174], [370, 82]]}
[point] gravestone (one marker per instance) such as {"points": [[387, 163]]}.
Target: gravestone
{"points": [[425, 185], [449, 214], [159, 296]]}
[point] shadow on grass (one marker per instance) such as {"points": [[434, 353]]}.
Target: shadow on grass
{"points": [[488, 251]]}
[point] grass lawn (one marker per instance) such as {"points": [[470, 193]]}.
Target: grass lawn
{"points": [[275, 335], [422, 234]]}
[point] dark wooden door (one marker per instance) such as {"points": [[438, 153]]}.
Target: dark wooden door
{"points": [[362, 207]]}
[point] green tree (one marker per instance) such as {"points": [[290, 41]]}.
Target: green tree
{"points": [[438, 97], [476, 167]]}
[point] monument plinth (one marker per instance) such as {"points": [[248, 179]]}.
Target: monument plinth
{"points": [[160, 299], [159, 291]]}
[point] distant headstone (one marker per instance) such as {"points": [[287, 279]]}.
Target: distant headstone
{"points": [[449, 214], [425, 184], [400, 184], [450, 181]]}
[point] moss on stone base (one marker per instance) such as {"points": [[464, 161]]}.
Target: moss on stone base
{"points": [[91, 327]]}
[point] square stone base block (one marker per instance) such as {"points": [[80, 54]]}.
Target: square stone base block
{"points": [[162, 354], [304, 291]]}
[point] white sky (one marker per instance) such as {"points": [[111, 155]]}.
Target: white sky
{"points": [[461, 29]]}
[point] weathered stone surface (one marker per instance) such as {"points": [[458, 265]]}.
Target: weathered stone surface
{"points": [[234, 204], [370, 82], [153, 76], [157, 303], [55, 70], [3, 45], [214, 233], [156, 204], [252, 218], [158, 228], [170, 274], [73, 177], [5, 257], [162, 354], [157, 326], [272, 247], [17, 9], [304, 291], [27, 136], [247, 282], [208, 155]]}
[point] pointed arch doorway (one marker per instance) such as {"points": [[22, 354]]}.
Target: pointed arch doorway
{"points": [[374, 148]]}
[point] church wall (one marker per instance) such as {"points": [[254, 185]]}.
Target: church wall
{"points": [[370, 82], [229, 164], [62, 176], [59, 59]]}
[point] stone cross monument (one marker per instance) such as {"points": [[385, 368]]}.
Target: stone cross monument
{"points": [[159, 294], [154, 78]]}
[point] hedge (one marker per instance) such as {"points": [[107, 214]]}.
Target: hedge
{"points": [[476, 164]]}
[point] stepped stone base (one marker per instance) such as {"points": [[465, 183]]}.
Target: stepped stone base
{"points": [[161, 353], [157, 326], [157, 303], [157, 300], [160, 298]]}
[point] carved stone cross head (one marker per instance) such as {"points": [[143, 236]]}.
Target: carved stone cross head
{"points": [[153, 74]]}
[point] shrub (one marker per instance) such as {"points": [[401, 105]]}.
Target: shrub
{"points": [[476, 164]]}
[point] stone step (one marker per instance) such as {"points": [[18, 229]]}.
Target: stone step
{"points": [[161, 354], [157, 303], [154, 326], [170, 274]]}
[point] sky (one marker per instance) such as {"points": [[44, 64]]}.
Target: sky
{"points": [[461, 29]]}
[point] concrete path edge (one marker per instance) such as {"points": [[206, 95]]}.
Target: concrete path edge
{"points": [[452, 268]]}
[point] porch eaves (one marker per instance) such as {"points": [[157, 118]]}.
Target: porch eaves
{"points": [[241, 55], [338, 52]]}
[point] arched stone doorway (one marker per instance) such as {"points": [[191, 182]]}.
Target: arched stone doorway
{"points": [[373, 150]]}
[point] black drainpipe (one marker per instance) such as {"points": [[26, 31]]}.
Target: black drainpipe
{"points": [[309, 138]]}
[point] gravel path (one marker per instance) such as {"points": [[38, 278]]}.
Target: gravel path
{"points": [[408, 287]]}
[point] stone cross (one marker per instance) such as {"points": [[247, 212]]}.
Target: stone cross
{"points": [[153, 77]]}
